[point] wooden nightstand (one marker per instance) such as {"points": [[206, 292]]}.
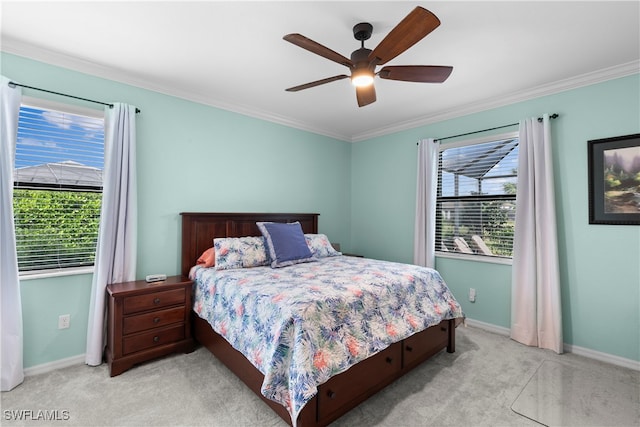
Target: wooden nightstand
{"points": [[147, 320]]}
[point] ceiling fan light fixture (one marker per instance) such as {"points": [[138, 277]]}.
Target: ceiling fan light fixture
{"points": [[362, 77], [363, 62]]}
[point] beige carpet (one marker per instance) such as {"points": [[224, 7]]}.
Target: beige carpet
{"points": [[476, 386]]}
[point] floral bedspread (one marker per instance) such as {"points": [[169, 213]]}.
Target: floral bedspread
{"points": [[305, 323]]}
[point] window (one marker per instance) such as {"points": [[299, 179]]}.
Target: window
{"points": [[57, 189], [475, 210]]}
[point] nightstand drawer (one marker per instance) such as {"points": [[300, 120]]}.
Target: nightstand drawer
{"points": [[153, 338], [154, 300], [151, 320]]}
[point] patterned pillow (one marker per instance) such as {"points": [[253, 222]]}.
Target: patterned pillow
{"points": [[286, 244], [240, 252], [320, 246]]}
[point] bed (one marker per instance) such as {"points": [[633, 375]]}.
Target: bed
{"points": [[387, 357]]}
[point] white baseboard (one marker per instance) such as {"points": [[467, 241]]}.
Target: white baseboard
{"points": [[603, 357], [52, 366], [500, 330], [568, 348]]}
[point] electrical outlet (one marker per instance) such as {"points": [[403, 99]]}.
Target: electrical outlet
{"points": [[64, 321], [472, 295]]}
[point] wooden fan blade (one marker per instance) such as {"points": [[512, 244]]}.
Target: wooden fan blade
{"points": [[413, 28], [317, 48], [416, 73], [366, 95], [317, 83]]}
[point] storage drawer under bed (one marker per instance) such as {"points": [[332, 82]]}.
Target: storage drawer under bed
{"points": [[422, 345], [343, 390]]}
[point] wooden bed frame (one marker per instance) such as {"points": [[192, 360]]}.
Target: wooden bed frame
{"points": [[342, 392]]}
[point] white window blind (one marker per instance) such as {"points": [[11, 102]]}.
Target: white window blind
{"points": [[476, 199], [57, 188]]}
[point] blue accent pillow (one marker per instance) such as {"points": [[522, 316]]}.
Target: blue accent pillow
{"points": [[285, 243]]}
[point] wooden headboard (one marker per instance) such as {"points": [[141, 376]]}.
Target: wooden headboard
{"points": [[200, 228]]}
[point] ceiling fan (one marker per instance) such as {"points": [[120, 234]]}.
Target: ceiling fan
{"points": [[413, 28]]}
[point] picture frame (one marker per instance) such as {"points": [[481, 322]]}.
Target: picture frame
{"points": [[614, 180]]}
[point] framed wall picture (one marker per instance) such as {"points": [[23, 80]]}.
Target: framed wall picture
{"points": [[614, 180]]}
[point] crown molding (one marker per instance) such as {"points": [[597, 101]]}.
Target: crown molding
{"points": [[586, 79], [48, 56], [16, 47]]}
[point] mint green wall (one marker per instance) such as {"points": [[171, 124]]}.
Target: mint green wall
{"points": [[190, 157], [599, 264], [43, 300]]}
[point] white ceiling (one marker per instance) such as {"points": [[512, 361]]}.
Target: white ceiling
{"points": [[231, 54]]}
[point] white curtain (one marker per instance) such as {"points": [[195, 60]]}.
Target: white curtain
{"points": [[116, 251], [536, 317], [12, 368], [424, 241]]}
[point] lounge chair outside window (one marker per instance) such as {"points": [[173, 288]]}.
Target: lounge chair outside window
{"points": [[462, 245], [481, 245]]}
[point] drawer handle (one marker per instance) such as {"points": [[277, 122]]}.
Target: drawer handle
{"points": [[156, 301], [156, 338], [156, 319], [443, 328], [389, 360], [409, 348], [331, 394]]}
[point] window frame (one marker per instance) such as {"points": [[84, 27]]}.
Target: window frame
{"points": [[465, 143], [42, 103]]}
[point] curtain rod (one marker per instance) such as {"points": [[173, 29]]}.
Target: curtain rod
{"points": [[14, 84], [553, 116]]}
